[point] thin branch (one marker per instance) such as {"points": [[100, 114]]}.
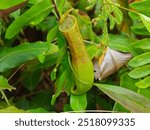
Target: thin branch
{"points": [[29, 95], [56, 9], [15, 72], [4, 96]]}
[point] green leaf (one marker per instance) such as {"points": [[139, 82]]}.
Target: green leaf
{"points": [[37, 110], [78, 103], [141, 5], [52, 34], [128, 82], [122, 43], [82, 4], [53, 74], [3, 104], [60, 57], [140, 72], [145, 83], [8, 9], [41, 57], [134, 16], [85, 26], [122, 48], [100, 101], [67, 108], [60, 83], [140, 60], [145, 92], [92, 50], [112, 22], [118, 14], [146, 21], [22, 103], [42, 100], [69, 83], [119, 108], [138, 26], [61, 6], [13, 57], [15, 14], [61, 54], [61, 40], [35, 15], [4, 84], [142, 44], [31, 79], [49, 61], [129, 99], [34, 1], [47, 24], [12, 109], [5, 4], [140, 31]]}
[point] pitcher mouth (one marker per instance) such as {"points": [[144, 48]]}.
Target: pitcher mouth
{"points": [[67, 23]]}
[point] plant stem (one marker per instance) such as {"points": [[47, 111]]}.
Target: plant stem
{"points": [[3, 94], [105, 37], [56, 9], [15, 72], [90, 42]]}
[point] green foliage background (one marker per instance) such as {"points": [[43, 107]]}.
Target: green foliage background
{"points": [[35, 71]]}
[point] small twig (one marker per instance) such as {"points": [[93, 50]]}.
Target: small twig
{"points": [[4, 96], [90, 42], [56, 10], [30, 94], [15, 72]]}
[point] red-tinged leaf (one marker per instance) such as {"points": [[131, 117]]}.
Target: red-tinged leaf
{"points": [[6, 11]]}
